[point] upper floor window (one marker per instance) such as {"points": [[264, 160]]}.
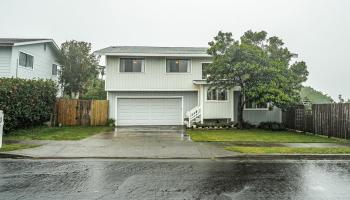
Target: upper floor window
{"points": [[205, 73], [54, 69], [132, 65], [216, 95], [254, 105], [177, 66], [26, 60]]}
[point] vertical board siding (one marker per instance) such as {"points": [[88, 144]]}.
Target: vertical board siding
{"points": [[257, 116], [5, 61], [154, 77], [71, 112], [42, 63], [218, 109], [332, 120]]}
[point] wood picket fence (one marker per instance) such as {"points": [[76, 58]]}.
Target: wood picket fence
{"points": [[71, 112], [332, 120]]}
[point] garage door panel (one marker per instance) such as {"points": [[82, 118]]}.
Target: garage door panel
{"points": [[167, 111]]}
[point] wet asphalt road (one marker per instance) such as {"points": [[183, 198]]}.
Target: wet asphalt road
{"points": [[173, 179]]}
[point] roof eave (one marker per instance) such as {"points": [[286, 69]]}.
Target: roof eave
{"points": [[153, 54], [57, 48], [6, 44]]}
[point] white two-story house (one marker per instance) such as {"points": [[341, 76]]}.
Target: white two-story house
{"points": [[167, 86], [28, 58]]}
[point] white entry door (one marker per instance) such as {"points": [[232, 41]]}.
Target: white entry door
{"points": [[149, 111]]}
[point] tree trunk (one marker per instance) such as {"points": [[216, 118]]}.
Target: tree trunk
{"points": [[240, 120], [75, 95]]}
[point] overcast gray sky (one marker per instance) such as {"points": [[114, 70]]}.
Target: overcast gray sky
{"points": [[318, 30]]}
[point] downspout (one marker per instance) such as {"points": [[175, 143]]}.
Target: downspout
{"points": [[201, 103], [17, 67]]}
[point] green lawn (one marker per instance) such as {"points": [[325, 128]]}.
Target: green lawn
{"points": [[56, 133], [256, 135], [290, 150], [12, 147]]}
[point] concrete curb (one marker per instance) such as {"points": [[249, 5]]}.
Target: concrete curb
{"points": [[235, 157], [14, 156]]}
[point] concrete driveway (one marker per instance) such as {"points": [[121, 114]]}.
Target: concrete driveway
{"points": [[131, 142]]}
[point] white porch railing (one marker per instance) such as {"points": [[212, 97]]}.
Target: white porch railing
{"points": [[193, 115]]}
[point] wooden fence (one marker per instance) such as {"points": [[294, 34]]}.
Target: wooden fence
{"points": [[332, 120], [69, 112]]}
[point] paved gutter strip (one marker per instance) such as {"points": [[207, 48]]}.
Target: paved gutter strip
{"points": [[14, 156], [237, 157]]}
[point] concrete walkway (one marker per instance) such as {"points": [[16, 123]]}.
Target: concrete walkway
{"points": [[130, 142]]}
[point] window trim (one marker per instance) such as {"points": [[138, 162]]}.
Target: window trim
{"points": [[208, 62], [140, 58], [217, 100], [176, 73], [56, 69], [259, 109], [24, 67]]}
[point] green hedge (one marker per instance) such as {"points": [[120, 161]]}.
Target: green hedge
{"points": [[26, 102]]}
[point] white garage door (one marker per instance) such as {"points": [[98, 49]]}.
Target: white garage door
{"points": [[165, 111]]}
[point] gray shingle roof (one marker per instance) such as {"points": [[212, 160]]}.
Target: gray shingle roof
{"points": [[151, 50], [11, 41]]}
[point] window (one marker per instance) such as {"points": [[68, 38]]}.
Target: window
{"points": [[253, 105], [132, 65], [26, 60], [177, 66], [54, 69], [205, 67], [216, 95]]}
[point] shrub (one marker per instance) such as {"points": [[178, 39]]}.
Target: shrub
{"points": [[26, 102], [246, 125], [214, 124], [110, 122], [273, 126]]}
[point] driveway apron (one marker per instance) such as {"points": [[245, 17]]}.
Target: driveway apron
{"points": [[131, 142]]}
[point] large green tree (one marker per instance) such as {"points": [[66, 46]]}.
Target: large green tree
{"points": [[95, 89], [78, 66], [260, 65]]}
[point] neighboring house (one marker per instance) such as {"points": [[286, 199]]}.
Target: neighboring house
{"points": [[28, 58], [167, 86]]}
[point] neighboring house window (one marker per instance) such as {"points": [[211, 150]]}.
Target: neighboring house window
{"points": [[54, 69], [205, 67], [253, 105], [177, 65], [216, 95], [26, 60], [132, 65]]}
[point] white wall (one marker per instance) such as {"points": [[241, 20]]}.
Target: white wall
{"points": [[218, 109], [5, 61], [257, 116], [154, 77], [43, 60]]}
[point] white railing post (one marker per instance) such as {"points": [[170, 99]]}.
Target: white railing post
{"points": [[1, 126]]}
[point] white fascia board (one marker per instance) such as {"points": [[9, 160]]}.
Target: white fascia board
{"points": [[38, 42], [150, 90], [155, 55], [204, 82]]}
